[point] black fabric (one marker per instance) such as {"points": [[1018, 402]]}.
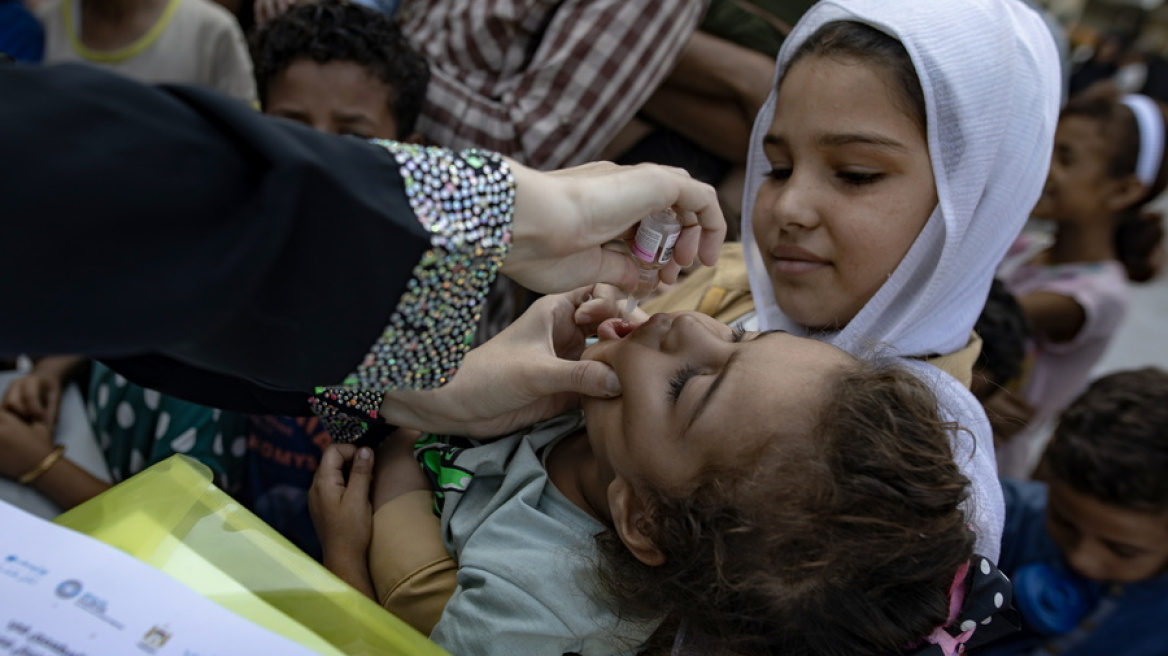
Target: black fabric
{"points": [[209, 388], [988, 603], [179, 224]]}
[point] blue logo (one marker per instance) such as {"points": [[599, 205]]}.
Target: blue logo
{"points": [[69, 589]]}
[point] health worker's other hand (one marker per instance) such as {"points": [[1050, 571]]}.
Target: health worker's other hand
{"points": [[529, 372], [567, 221]]}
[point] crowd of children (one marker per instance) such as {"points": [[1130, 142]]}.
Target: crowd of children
{"points": [[919, 464]]}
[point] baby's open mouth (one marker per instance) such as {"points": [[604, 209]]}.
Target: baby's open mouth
{"points": [[615, 328]]}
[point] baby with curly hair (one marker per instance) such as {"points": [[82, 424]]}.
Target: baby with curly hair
{"points": [[758, 491]]}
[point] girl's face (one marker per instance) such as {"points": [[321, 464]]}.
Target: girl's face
{"points": [[697, 393], [1078, 187], [851, 185]]}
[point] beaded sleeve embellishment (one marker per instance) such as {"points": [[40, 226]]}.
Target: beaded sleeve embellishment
{"points": [[465, 200]]}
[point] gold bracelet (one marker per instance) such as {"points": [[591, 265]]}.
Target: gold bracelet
{"points": [[45, 465]]}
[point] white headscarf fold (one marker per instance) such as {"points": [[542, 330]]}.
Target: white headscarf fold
{"points": [[989, 70]]}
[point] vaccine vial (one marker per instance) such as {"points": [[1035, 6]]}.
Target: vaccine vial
{"points": [[652, 249]]}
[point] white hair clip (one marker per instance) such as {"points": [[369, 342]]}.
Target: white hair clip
{"points": [[1150, 122]]}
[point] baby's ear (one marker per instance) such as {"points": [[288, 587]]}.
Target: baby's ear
{"points": [[631, 519], [1127, 192]]}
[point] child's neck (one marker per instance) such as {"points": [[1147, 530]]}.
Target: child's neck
{"points": [[575, 471], [1090, 241]]}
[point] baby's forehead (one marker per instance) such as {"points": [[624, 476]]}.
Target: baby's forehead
{"points": [[787, 371], [814, 353]]}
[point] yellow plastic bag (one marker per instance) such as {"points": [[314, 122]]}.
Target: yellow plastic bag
{"points": [[172, 517]]}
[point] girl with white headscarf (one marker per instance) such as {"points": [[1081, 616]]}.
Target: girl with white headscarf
{"points": [[833, 261]]}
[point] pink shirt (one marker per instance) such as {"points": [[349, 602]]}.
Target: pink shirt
{"points": [[1060, 371]]}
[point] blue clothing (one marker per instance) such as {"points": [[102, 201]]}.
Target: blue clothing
{"points": [[282, 456], [21, 34], [1127, 620]]}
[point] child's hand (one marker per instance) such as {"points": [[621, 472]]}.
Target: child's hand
{"points": [[34, 398], [340, 508], [23, 444], [607, 302]]}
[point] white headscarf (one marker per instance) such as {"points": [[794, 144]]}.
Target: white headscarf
{"points": [[989, 70]]}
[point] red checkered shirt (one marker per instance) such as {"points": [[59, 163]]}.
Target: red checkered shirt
{"points": [[546, 82]]}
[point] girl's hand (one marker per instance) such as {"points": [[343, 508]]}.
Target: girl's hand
{"points": [[23, 444], [563, 221], [342, 514], [528, 372]]}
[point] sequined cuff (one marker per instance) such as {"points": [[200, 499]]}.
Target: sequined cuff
{"points": [[465, 200]]}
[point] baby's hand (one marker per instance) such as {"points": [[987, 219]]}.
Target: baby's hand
{"points": [[340, 508], [607, 302]]}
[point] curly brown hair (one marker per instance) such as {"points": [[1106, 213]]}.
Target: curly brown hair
{"points": [[844, 541], [1111, 444], [336, 30]]}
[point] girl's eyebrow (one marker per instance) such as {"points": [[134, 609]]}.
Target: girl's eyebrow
{"points": [[835, 140], [861, 138]]}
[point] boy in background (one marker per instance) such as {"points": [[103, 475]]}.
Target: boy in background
{"points": [[342, 69], [1087, 548]]}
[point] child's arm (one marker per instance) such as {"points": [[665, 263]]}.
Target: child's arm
{"points": [[27, 456], [1052, 316], [342, 514], [713, 94], [413, 574]]}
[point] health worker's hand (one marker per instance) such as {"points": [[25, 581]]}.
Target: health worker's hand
{"points": [[567, 222], [529, 372]]}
